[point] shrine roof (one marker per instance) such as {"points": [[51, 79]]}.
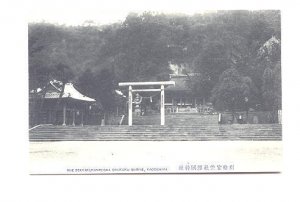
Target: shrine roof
{"points": [[70, 91], [181, 84]]}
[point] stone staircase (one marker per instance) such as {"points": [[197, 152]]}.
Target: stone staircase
{"points": [[177, 119], [175, 132]]}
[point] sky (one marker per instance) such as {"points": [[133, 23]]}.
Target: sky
{"points": [[110, 11], [100, 12]]}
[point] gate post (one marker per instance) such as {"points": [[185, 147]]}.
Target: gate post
{"points": [[130, 106], [64, 115], [162, 105], [73, 113]]}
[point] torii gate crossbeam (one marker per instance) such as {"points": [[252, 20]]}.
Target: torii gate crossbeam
{"points": [[162, 85]]}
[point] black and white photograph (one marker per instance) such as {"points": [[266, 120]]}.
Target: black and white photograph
{"points": [[139, 100], [156, 92]]}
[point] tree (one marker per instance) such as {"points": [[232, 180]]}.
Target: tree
{"points": [[201, 86], [86, 83], [231, 92], [100, 85], [269, 56], [105, 83], [46, 50], [142, 47], [272, 89], [139, 50], [277, 86]]}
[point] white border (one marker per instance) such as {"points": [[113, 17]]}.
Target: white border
{"points": [[17, 185]]}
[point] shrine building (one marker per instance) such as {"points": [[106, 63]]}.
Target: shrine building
{"points": [[179, 98], [52, 106]]}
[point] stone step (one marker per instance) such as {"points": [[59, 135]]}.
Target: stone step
{"points": [[150, 134], [176, 119], [223, 130], [150, 138], [163, 127], [157, 133], [165, 130], [160, 138], [166, 126]]}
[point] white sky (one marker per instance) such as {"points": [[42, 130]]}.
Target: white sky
{"points": [[109, 11]]}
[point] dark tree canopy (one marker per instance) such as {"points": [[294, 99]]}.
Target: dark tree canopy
{"points": [[232, 91], [242, 46]]}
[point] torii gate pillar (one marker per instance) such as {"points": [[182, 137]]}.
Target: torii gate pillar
{"points": [[130, 106], [162, 105]]}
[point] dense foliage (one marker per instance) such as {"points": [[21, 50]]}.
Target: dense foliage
{"points": [[237, 54]]}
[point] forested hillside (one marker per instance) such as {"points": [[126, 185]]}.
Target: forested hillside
{"points": [[237, 53]]}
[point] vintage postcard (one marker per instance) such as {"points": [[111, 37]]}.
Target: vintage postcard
{"points": [[155, 92]]}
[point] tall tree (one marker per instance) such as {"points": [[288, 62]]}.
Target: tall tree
{"points": [[231, 92], [105, 82]]}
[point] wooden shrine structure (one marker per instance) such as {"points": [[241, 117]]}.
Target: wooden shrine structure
{"points": [[60, 106]]}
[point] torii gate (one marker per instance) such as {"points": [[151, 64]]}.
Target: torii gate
{"points": [[162, 85]]}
